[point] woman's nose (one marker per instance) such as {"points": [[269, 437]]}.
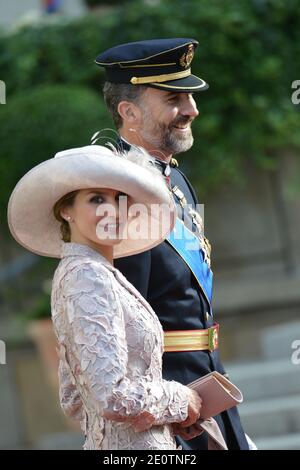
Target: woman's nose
{"points": [[117, 207], [109, 210]]}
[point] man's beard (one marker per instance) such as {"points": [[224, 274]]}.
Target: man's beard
{"points": [[167, 138]]}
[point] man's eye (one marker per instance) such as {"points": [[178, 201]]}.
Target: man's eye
{"points": [[96, 199]]}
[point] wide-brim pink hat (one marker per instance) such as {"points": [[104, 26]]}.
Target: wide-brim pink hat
{"points": [[30, 210]]}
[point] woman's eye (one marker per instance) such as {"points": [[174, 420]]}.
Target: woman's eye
{"points": [[97, 199]]}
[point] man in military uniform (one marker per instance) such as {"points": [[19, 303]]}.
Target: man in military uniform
{"points": [[149, 92]]}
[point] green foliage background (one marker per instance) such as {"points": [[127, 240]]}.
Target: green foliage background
{"points": [[41, 121], [249, 53]]}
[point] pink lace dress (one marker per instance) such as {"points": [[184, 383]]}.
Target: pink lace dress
{"points": [[110, 346]]}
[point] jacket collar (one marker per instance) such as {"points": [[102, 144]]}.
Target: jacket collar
{"points": [[76, 249]]}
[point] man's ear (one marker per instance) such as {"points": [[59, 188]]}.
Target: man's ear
{"points": [[129, 112]]}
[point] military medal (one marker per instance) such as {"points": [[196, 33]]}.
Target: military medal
{"points": [[204, 242], [198, 222]]}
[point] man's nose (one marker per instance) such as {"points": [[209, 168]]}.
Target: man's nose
{"points": [[189, 108]]}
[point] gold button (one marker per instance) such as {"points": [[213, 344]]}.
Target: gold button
{"points": [[207, 316]]}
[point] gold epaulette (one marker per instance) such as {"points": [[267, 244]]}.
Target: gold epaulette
{"points": [[174, 163]]}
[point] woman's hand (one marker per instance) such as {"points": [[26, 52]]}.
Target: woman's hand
{"points": [[189, 429], [194, 409]]}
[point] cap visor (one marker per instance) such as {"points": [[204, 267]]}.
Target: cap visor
{"points": [[188, 84]]}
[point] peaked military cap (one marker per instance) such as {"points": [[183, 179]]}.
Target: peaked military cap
{"points": [[158, 63]]}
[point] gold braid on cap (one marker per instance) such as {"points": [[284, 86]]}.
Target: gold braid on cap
{"points": [[160, 78]]}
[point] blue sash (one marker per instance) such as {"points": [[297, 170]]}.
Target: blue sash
{"points": [[187, 246]]}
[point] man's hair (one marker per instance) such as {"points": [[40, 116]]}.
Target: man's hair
{"points": [[114, 93]]}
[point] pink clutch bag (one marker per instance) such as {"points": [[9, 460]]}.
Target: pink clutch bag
{"points": [[218, 394]]}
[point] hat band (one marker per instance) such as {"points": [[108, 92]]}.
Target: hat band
{"points": [[160, 78]]}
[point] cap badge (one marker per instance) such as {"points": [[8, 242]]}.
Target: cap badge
{"points": [[186, 59]]}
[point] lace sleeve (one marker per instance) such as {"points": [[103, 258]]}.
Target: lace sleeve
{"points": [[97, 341], [69, 396]]}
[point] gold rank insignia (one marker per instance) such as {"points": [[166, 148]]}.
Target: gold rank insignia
{"points": [[174, 163], [186, 59]]}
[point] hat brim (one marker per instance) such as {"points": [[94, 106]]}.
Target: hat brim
{"points": [[188, 84], [30, 210]]}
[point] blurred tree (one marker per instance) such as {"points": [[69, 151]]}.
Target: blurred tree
{"points": [[248, 53], [38, 123]]}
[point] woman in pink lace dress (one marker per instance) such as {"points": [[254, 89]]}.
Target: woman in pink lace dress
{"points": [[110, 340]]}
